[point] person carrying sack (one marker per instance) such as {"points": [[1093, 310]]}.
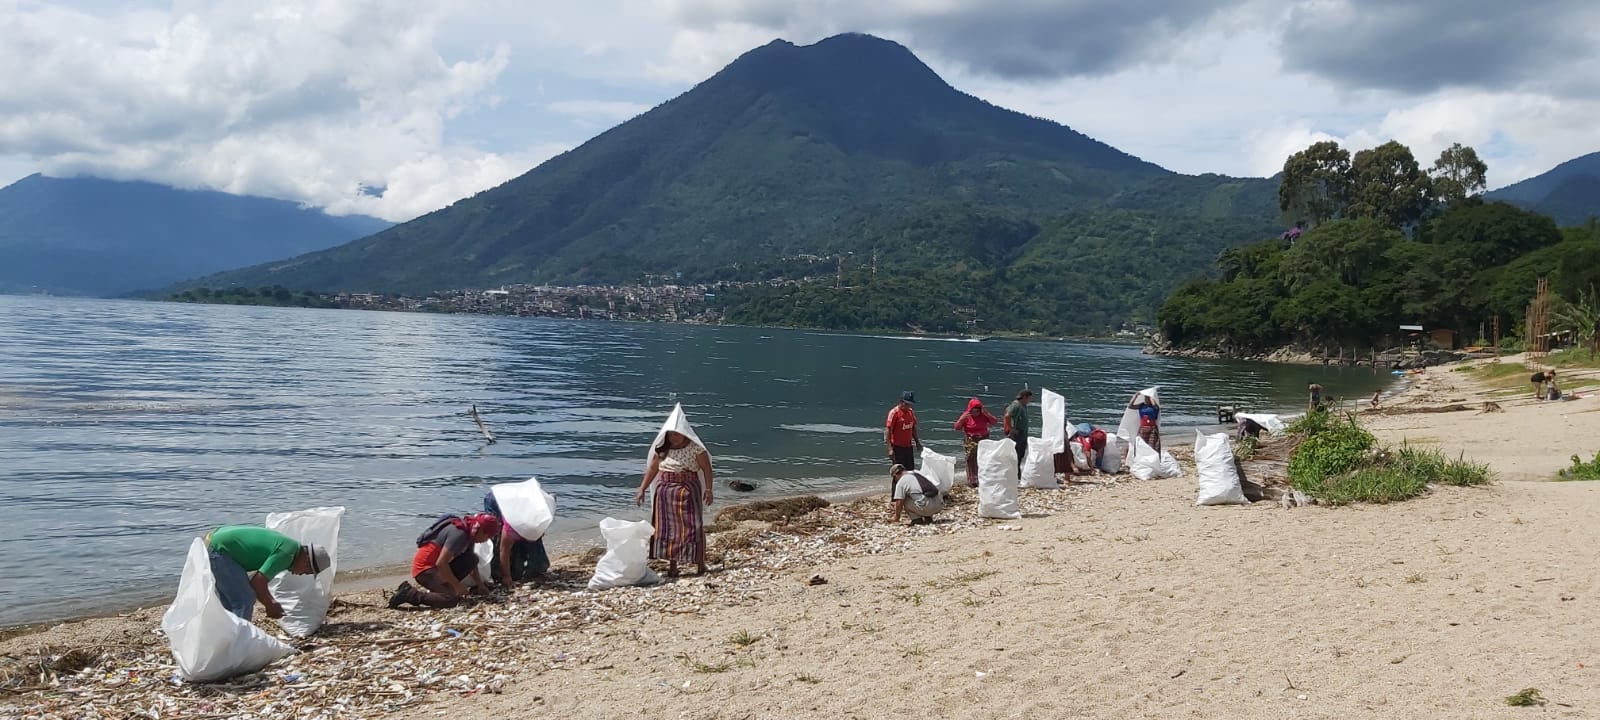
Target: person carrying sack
{"points": [[915, 495]]}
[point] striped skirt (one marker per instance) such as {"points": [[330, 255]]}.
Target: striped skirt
{"points": [[680, 534], [1151, 434]]}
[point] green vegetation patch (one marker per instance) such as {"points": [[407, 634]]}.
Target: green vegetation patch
{"points": [[1338, 463], [1581, 470]]}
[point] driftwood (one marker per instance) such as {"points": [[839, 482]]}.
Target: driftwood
{"points": [[1489, 406], [481, 427]]}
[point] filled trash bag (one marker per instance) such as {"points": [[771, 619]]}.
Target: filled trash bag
{"points": [[997, 480], [627, 557], [305, 598], [941, 469], [1145, 462], [1219, 478], [208, 642], [1039, 469], [525, 507]]}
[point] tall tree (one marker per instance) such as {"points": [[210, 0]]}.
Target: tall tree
{"points": [[1388, 185], [1316, 183], [1458, 174]]}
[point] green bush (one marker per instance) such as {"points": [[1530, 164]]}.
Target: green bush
{"points": [[1335, 450], [1581, 470], [1309, 424], [1373, 484], [1432, 468]]}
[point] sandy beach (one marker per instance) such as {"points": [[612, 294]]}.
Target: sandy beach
{"points": [[1113, 599]]}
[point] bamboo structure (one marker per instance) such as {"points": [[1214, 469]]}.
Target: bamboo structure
{"points": [[1539, 322]]}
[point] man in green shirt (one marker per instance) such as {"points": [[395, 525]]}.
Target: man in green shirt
{"points": [[245, 557], [1015, 424]]}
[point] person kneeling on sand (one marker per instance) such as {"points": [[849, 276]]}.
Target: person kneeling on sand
{"points": [[914, 495], [444, 558], [245, 557]]}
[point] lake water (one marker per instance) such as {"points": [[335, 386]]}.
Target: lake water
{"points": [[127, 428]]}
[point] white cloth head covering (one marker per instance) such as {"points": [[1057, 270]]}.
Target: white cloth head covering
{"points": [[679, 423]]}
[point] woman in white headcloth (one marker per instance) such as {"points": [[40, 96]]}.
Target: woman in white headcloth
{"points": [[680, 467]]}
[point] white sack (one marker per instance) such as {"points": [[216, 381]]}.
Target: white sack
{"points": [[941, 469], [1080, 459], [486, 560], [997, 480], [1129, 427], [1169, 466], [1272, 423], [1145, 462], [1219, 479], [526, 507], [1054, 428], [208, 642], [305, 598], [1111, 457], [1039, 469], [626, 561]]}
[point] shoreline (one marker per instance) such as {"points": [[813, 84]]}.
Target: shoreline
{"points": [[1152, 587]]}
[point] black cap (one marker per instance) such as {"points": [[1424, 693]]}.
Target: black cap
{"points": [[909, 397]]}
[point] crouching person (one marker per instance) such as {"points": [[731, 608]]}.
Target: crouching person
{"points": [[914, 495], [515, 560], [444, 559], [245, 557]]}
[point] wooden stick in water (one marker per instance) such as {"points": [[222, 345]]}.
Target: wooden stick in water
{"points": [[479, 420]]}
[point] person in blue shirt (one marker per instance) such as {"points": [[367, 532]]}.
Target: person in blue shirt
{"points": [[1149, 420]]}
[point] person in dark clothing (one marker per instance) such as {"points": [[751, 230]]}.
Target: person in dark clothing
{"points": [[515, 560], [444, 558], [1539, 379], [1015, 424]]}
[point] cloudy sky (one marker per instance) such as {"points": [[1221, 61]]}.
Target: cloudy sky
{"points": [[395, 108]]}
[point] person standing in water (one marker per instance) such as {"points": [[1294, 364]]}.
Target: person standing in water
{"points": [[974, 426], [1016, 425], [1316, 398], [900, 433]]}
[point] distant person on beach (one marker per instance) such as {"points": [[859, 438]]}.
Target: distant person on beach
{"points": [[1551, 391], [900, 432], [680, 468], [914, 495], [1539, 379], [444, 559], [245, 557], [515, 560], [1376, 394], [1149, 420], [1249, 429], [1015, 425], [1316, 398], [974, 426], [1091, 453]]}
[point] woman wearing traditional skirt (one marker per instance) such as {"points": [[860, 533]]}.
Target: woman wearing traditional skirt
{"points": [[680, 467]]}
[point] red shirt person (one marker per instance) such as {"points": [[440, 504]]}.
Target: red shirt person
{"points": [[900, 433]]}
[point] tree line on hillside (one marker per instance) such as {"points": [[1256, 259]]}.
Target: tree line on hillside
{"points": [[1386, 244], [276, 295]]}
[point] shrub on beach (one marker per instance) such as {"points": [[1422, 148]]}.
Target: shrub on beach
{"points": [[1337, 464], [1581, 470]]}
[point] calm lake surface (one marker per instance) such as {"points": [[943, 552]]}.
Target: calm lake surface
{"points": [[128, 428]]}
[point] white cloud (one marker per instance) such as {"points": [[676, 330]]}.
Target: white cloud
{"points": [[299, 99]]}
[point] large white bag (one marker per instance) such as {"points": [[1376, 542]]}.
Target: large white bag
{"points": [[941, 469], [305, 598], [1271, 423], [997, 480], [208, 642], [1039, 469], [1145, 462], [486, 561], [627, 557], [1219, 479], [1053, 408], [525, 507], [1111, 457], [1169, 466], [1080, 459]]}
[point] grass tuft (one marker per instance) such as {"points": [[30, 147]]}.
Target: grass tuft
{"points": [[744, 639], [1581, 470], [1529, 697]]}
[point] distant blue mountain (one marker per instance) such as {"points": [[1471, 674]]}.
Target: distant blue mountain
{"points": [[88, 236], [1569, 192]]}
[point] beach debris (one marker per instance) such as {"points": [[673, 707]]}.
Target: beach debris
{"points": [[367, 661], [772, 510], [1528, 697], [817, 580], [741, 486], [476, 418], [1490, 406]]}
